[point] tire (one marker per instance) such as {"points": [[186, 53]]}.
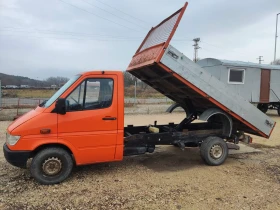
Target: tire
{"points": [[263, 107], [278, 110], [209, 148], [51, 165]]}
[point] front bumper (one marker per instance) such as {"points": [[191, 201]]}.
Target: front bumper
{"points": [[16, 158]]}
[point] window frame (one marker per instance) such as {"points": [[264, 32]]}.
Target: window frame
{"points": [[243, 78], [62, 90], [85, 89]]}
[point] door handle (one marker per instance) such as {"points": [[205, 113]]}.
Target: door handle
{"points": [[109, 118]]}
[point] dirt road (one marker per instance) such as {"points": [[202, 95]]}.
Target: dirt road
{"points": [[167, 179]]}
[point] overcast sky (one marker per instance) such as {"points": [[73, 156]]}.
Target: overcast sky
{"points": [[43, 38]]}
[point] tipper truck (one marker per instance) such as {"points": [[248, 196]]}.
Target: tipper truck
{"points": [[83, 122]]}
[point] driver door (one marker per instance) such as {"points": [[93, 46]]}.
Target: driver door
{"points": [[90, 122]]}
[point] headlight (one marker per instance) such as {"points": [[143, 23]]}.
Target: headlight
{"points": [[11, 140]]}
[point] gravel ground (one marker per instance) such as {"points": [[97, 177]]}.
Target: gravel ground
{"points": [[167, 179]]}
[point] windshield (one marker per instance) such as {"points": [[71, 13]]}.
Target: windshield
{"points": [[60, 91]]}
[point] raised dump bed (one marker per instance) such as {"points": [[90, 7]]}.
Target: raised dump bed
{"points": [[166, 69]]}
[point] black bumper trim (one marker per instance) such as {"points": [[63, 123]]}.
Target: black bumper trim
{"points": [[16, 158]]}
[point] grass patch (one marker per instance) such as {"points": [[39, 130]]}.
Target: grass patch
{"points": [[43, 93], [128, 104], [142, 93], [27, 93]]}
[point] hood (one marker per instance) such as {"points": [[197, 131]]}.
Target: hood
{"points": [[24, 118]]}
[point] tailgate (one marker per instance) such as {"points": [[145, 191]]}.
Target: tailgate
{"points": [[170, 72]]}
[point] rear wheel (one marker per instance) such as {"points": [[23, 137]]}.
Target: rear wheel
{"points": [[278, 110], [51, 165], [214, 151], [263, 107]]}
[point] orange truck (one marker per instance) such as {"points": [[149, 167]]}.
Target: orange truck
{"points": [[83, 122]]}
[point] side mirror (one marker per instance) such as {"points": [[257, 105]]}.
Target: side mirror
{"points": [[60, 106]]}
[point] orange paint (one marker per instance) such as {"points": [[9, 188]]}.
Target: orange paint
{"points": [[90, 138]]}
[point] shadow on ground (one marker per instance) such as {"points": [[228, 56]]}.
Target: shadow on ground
{"points": [[165, 158]]}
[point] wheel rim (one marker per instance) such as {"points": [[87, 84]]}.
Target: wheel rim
{"points": [[52, 166], [216, 151]]}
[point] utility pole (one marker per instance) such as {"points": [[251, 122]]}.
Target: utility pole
{"points": [[196, 47], [276, 36], [260, 59], [135, 89]]}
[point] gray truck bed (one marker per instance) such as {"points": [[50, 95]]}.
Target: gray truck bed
{"points": [[173, 74]]}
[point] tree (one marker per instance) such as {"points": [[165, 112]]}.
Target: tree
{"points": [[129, 79], [58, 81]]}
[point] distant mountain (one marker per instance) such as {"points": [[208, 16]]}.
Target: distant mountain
{"points": [[19, 80]]}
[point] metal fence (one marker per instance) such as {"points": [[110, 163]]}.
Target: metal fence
{"points": [[160, 33], [163, 32], [12, 103], [12, 108], [147, 100], [22, 103]]}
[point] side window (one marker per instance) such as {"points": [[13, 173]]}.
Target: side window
{"points": [[91, 94], [93, 91], [236, 76], [75, 99]]}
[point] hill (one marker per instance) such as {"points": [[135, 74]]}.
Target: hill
{"points": [[19, 80]]}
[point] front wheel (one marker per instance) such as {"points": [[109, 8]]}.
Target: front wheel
{"points": [[214, 151], [51, 165]]}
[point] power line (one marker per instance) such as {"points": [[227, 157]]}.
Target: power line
{"points": [[73, 34], [84, 10], [211, 44], [10, 29], [259, 58], [221, 48], [80, 38], [187, 39], [122, 12], [73, 38], [111, 13], [205, 49]]}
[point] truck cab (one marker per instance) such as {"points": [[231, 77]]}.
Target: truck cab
{"points": [[82, 123]]}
